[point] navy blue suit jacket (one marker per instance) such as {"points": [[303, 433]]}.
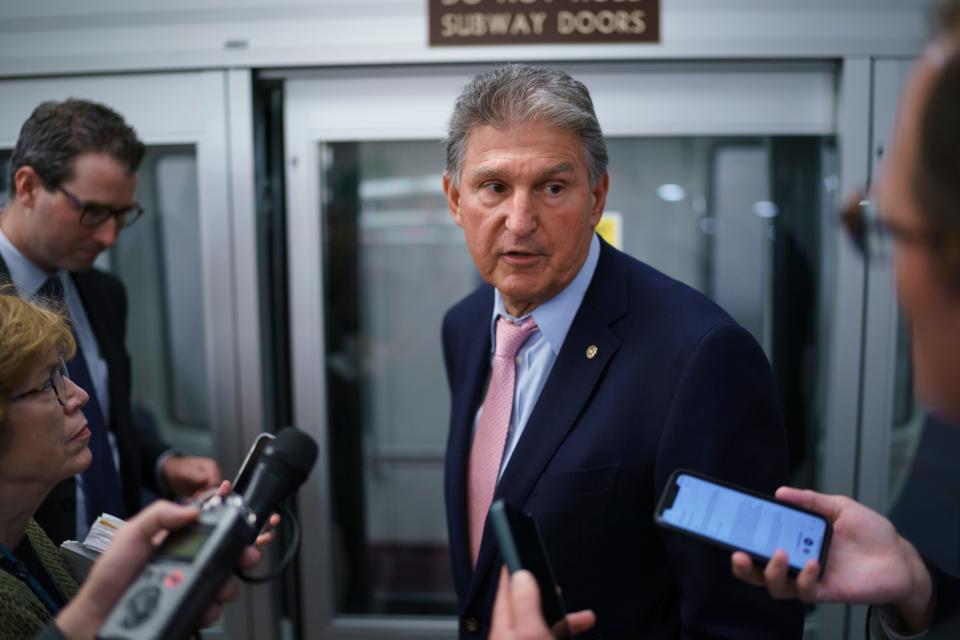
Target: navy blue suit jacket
{"points": [[946, 613], [675, 383]]}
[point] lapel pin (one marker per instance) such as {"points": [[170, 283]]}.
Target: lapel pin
{"points": [[591, 351]]}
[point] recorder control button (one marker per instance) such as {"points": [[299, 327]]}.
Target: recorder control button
{"points": [[140, 606], [173, 579]]}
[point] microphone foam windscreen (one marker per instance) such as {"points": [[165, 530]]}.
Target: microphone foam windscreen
{"points": [[296, 448]]}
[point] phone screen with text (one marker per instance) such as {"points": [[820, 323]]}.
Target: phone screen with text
{"points": [[744, 521]]}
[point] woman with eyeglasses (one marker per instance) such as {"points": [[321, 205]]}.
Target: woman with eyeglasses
{"points": [[43, 440]]}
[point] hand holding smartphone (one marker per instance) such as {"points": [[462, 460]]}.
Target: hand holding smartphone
{"points": [[738, 519], [521, 547]]}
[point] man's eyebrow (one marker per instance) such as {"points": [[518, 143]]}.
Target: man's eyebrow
{"points": [[487, 173], [563, 167]]}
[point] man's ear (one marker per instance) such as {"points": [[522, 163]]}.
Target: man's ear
{"points": [[599, 193], [26, 185], [452, 193]]}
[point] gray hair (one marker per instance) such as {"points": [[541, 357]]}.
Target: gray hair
{"points": [[518, 94]]}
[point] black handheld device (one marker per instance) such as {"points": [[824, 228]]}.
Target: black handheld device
{"points": [[521, 547], [172, 592], [738, 519]]}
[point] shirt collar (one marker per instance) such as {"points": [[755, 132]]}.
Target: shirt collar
{"points": [[554, 316], [26, 276]]}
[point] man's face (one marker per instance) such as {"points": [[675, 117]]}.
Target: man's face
{"points": [[54, 237], [931, 308], [527, 209]]}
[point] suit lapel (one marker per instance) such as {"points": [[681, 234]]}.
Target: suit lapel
{"points": [[91, 300], [476, 365], [5, 278], [567, 391], [102, 313]]}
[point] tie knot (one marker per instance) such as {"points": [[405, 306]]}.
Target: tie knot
{"points": [[510, 336], [51, 290]]}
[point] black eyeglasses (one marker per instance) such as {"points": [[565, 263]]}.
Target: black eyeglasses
{"points": [[872, 234], [93, 215], [57, 381]]}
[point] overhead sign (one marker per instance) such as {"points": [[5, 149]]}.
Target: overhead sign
{"points": [[482, 22]]}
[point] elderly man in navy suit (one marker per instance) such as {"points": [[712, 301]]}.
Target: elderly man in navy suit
{"points": [[581, 378]]}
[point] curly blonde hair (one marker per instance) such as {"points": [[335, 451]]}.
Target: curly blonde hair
{"points": [[28, 332]]}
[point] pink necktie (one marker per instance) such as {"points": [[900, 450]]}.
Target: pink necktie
{"points": [[491, 432]]}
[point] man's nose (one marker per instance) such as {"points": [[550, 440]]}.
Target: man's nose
{"points": [[522, 217], [108, 232]]}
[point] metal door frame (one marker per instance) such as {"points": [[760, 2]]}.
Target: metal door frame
{"points": [[212, 112], [747, 98]]}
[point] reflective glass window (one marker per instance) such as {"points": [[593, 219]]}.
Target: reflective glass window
{"points": [[159, 261]]}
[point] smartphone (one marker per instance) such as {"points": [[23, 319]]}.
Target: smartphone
{"points": [[521, 547], [741, 520], [250, 461]]}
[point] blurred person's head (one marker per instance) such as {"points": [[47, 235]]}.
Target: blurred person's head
{"points": [[72, 183], [43, 433], [919, 193], [526, 179]]}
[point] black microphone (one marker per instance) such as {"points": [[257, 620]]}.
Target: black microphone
{"points": [[169, 597], [280, 470]]}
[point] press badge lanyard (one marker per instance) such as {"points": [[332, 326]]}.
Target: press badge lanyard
{"points": [[20, 571]]}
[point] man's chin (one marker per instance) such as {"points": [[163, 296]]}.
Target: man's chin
{"points": [[78, 263]]}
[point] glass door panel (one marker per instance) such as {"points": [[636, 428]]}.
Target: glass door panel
{"points": [[736, 200], [192, 305], [4, 174], [159, 261], [740, 219], [395, 261]]}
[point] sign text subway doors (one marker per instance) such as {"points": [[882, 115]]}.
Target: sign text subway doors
{"points": [[471, 22]]}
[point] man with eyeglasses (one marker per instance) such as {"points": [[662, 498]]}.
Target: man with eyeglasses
{"points": [[913, 217], [72, 190]]}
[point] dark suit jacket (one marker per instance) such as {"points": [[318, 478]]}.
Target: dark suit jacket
{"points": [[946, 613], [675, 383], [105, 302], [945, 624]]}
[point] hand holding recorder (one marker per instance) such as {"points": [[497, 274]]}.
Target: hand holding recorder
{"points": [[170, 595], [123, 561], [870, 563]]}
